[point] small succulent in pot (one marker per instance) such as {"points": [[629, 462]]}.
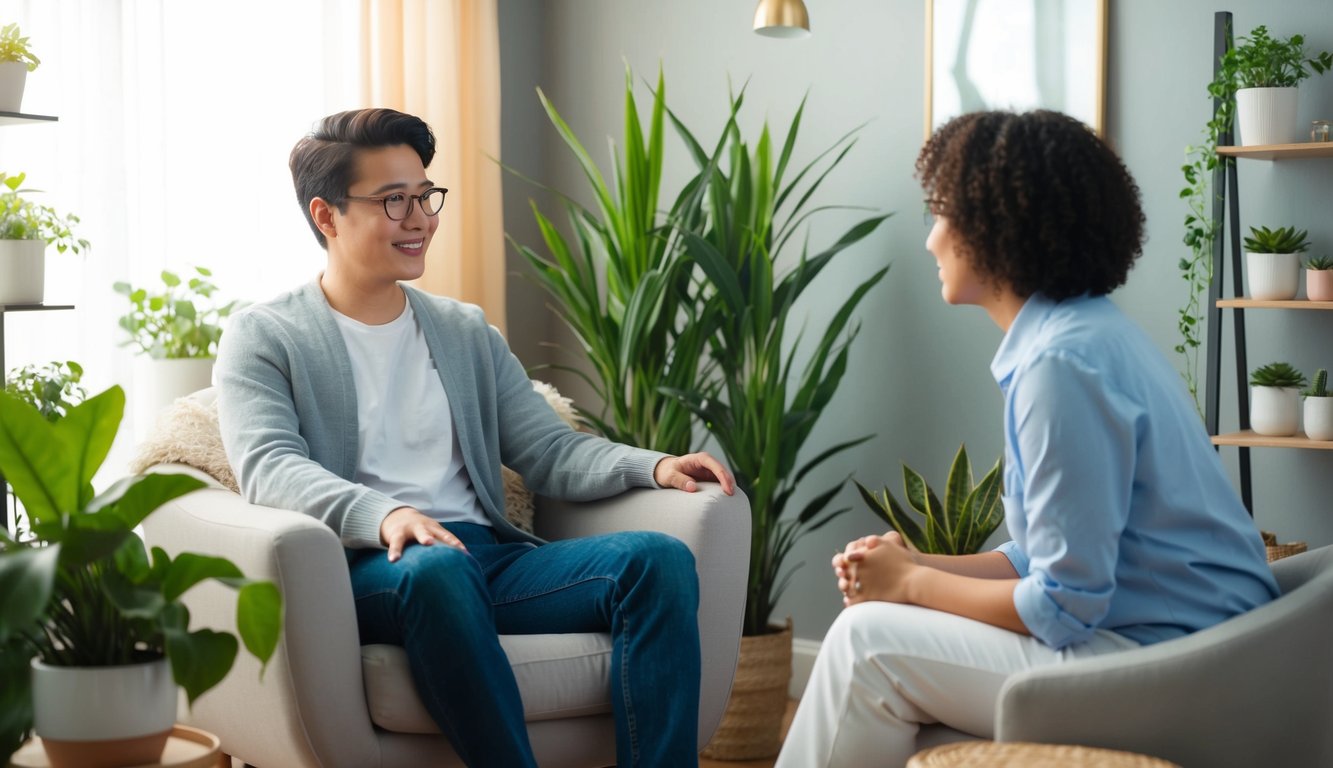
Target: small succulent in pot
{"points": [[1273, 262], [1274, 399], [1280, 240], [1319, 408], [1319, 278]]}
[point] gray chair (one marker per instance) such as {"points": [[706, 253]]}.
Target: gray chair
{"points": [[327, 701], [1256, 690]]}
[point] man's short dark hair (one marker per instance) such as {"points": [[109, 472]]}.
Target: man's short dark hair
{"points": [[323, 162], [1036, 201]]}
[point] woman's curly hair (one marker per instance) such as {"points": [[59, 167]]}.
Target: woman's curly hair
{"points": [[1035, 200]]}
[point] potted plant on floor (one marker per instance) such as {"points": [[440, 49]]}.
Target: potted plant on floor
{"points": [[1274, 404], [1319, 408], [26, 229], [16, 61], [1319, 279], [959, 525], [177, 328], [90, 616], [1273, 262], [770, 388], [1264, 73]]}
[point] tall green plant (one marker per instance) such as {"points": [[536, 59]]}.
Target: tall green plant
{"points": [[763, 405], [623, 286]]}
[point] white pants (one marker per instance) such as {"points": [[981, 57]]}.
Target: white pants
{"points": [[884, 669]]}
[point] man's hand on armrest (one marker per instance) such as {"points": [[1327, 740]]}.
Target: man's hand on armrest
{"points": [[682, 472]]}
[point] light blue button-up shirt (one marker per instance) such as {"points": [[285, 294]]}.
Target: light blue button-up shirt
{"points": [[1121, 515]]}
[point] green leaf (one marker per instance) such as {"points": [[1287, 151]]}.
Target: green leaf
{"points": [[259, 619], [92, 426], [132, 499], [27, 578], [189, 569], [37, 461], [200, 659]]}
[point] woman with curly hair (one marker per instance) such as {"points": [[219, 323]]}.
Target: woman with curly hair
{"points": [[1124, 528]]}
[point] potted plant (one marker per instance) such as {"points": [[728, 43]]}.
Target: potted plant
{"points": [[177, 328], [16, 61], [1273, 262], [1319, 408], [958, 526], [1274, 409], [1319, 279], [90, 617], [1264, 73], [53, 389], [26, 228], [770, 389]]}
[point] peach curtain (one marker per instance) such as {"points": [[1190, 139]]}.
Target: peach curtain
{"points": [[440, 60]]}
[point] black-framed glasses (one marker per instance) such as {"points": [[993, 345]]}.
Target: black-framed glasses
{"points": [[398, 205]]}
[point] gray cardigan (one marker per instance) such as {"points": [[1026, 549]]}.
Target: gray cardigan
{"points": [[287, 407]]}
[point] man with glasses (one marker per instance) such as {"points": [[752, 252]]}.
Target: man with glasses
{"points": [[386, 413]]}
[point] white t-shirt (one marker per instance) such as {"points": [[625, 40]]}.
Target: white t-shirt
{"points": [[407, 448]]}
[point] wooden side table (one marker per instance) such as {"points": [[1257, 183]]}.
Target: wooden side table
{"points": [[1018, 754], [186, 748]]}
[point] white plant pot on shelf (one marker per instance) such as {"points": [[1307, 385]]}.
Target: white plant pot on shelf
{"points": [[22, 271], [13, 77], [1319, 418], [1275, 411], [157, 384], [1267, 116], [98, 717], [1273, 276]]}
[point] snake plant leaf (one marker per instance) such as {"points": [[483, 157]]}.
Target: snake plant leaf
{"points": [[890, 511]]}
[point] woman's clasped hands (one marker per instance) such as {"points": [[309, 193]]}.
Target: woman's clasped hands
{"points": [[875, 568]]}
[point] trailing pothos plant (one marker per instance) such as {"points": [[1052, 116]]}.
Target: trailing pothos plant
{"points": [[84, 591], [770, 388], [1259, 61], [623, 286]]}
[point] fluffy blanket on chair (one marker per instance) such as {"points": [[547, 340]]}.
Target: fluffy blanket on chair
{"points": [[187, 433]]}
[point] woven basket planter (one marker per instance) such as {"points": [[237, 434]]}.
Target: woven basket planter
{"points": [[1278, 551], [751, 726]]}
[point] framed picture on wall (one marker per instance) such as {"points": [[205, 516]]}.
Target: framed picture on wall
{"points": [[1015, 54]]}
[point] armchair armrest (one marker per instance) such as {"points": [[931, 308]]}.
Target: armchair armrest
{"points": [[312, 692], [716, 528]]}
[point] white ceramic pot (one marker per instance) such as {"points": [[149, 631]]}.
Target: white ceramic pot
{"points": [[1275, 411], [103, 717], [1319, 284], [1273, 276], [22, 271], [1319, 418], [1267, 116], [13, 76], [157, 384]]}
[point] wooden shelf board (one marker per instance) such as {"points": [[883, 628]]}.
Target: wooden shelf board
{"points": [[1248, 439], [1280, 151], [19, 118], [1269, 304]]}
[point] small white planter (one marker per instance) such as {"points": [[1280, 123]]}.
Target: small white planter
{"points": [[1275, 411], [22, 271], [13, 77], [1319, 418], [1267, 116], [103, 717], [159, 382], [1273, 276]]}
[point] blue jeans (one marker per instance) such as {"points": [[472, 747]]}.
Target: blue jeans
{"points": [[447, 608]]}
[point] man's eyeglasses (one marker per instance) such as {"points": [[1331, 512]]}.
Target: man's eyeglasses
{"points": [[398, 206]]}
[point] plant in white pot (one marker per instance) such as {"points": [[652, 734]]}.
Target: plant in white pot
{"points": [[177, 328], [90, 617], [26, 229], [1274, 399], [16, 61], [1319, 408], [1264, 72], [1273, 262], [1319, 279]]}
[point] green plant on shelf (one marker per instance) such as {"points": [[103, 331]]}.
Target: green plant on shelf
{"points": [[14, 47], [22, 219], [1280, 240], [1319, 263], [1277, 375], [1320, 386], [53, 389]]}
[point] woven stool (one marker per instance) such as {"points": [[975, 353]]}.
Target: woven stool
{"points": [[1017, 754]]}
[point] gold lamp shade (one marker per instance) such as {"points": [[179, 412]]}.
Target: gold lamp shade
{"points": [[782, 18]]}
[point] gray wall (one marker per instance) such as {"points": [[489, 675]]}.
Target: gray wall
{"points": [[919, 378]]}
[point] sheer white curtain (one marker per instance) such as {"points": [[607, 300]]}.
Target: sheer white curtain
{"points": [[176, 119]]}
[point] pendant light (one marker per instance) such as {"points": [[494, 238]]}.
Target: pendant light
{"points": [[782, 18]]}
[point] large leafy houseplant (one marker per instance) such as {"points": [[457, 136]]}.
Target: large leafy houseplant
{"points": [[177, 321], [1259, 61], [84, 590], [623, 286], [770, 389]]}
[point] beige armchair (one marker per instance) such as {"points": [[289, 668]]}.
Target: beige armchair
{"points": [[327, 701]]}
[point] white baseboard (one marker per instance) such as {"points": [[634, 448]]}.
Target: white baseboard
{"points": [[803, 653]]}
